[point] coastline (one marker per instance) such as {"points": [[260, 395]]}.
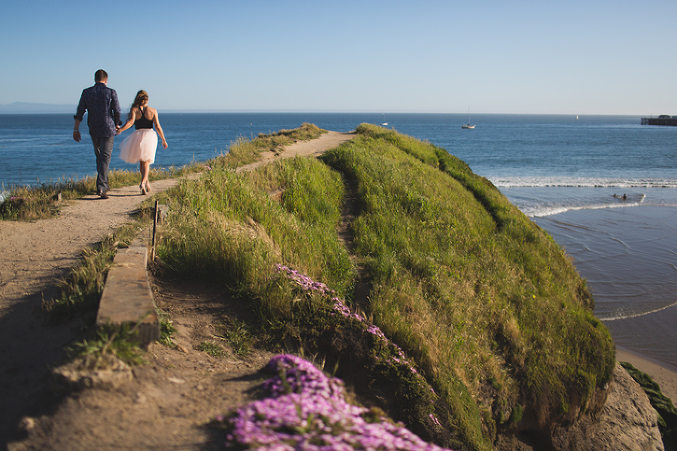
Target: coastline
{"points": [[665, 378], [626, 256]]}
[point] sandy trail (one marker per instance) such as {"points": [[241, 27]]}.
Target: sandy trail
{"points": [[34, 255]]}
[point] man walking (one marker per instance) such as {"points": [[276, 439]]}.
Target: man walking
{"points": [[103, 120]]}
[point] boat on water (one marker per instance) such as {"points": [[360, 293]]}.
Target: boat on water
{"points": [[468, 126], [384, 123]]}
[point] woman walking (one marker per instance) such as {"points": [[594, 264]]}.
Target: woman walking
{"points": [[140, 146]]}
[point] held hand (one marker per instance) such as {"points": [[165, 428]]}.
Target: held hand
{"points": [[76, 135]]}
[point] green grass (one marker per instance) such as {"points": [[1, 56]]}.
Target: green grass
{"points": [[238, 336], [109, 344], [167, 329], [244, 151], [226, 226], [490, 309], [211, 349], [468, 285]]}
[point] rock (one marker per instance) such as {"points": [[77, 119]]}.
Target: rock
{"points": [[667, 413], [27, 424], [140, 398], [75, 376], [627, 422]]}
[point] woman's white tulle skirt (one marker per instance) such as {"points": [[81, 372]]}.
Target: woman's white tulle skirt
{"points": [[139, 146]]}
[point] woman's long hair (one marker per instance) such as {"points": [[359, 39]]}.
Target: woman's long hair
{"points": [[141, 97]]}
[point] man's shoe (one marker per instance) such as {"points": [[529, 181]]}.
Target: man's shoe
{"points": [[104, 194]]}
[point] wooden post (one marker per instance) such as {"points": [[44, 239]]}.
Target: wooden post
{"points": [[152, 252]]}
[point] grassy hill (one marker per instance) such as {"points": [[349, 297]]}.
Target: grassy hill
{"points": [[440, 303]]}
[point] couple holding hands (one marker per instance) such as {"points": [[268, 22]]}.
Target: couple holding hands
{"points": [[103, 120]]}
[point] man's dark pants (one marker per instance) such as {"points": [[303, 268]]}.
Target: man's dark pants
{"points": [[103, 149]]}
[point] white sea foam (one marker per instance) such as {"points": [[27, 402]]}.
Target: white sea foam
{"points": [[542, 200], [544, 210], [620, 315], [563, 182]]}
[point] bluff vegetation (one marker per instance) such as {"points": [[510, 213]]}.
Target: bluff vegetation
{"points": [[461, 318]]}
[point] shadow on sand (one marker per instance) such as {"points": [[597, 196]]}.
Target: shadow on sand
{"points": [[31, 346]]}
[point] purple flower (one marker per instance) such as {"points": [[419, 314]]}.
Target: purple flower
{"points": [[435, 420], [315, 417]]}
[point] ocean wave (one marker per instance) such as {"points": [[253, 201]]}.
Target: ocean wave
{"points": [[553, 182], [620, 316], [537, 212], [616, 201]]}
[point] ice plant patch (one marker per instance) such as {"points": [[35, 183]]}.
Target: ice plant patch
{"points": [[307, 410]]}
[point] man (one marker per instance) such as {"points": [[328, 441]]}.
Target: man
{"points": [[103, 120]]}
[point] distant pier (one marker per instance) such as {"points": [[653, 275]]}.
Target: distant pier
{"points": [[663, 119]]}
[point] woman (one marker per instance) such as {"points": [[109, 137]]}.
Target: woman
{"points": [[141, 145]]}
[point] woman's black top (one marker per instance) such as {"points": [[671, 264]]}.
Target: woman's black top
{"points": [[143, 122]]}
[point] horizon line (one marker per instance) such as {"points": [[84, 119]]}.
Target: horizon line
{"points": [[226, 111], [60, 108]]}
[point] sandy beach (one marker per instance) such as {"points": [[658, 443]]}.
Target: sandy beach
{"points": [[664, 377]]}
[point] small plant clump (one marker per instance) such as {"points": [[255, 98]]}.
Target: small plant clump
{"points": [[238, 336], [211, 349], [167, 329], [111, 342], [305, 409]]}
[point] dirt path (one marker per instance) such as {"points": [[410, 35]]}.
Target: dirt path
{"points": [[168, 401]]}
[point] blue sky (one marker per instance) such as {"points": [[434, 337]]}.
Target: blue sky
{"points": [[539, 57]]}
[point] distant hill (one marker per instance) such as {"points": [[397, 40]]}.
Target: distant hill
{"points": [[36, 108]]}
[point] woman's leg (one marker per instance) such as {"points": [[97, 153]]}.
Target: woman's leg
{"points": [[144, 167], [145, 170]]}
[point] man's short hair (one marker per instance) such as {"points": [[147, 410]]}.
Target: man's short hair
{"points": [[100, 75]]}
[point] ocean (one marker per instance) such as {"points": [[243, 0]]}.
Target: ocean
{"points": [[605, 187]]}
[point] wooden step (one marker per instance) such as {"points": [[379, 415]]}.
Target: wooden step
{"points": [[127, 297]]}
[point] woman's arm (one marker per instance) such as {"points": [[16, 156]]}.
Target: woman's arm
{"points": [[130, 120], [156, 121]]}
